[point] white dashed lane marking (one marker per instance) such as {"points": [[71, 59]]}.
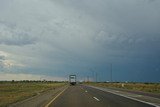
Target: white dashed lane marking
{"points": [[96, 98]]}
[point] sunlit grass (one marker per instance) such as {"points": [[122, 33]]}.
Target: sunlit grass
{"points": [[11, 92]]}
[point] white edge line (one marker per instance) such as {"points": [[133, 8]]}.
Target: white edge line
{"points": [[136, 99], [152, 104], [55, 98], [96, 98]]}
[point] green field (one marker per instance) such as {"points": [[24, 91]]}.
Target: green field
{"points": [[11, 92], [145, 87]]}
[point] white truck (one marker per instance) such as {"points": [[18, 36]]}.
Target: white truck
{"points": [[72, 79]]}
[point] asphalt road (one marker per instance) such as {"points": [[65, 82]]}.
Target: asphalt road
{"points": [[83, 96]]}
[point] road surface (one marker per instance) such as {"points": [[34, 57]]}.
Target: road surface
{"points": [[83, 96]]}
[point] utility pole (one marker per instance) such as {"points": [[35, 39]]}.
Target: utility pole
{"points": [[93, 75], [111, 72], [87, 78], [96, 76]]}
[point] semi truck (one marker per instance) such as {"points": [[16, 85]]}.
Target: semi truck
{"points": [[72, 79]]}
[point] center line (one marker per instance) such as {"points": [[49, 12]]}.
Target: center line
{"points": [[96, 98]]}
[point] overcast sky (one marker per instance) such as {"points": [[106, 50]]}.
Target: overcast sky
{"points": [[51, 39]]}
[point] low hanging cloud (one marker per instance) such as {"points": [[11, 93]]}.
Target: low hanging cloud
{"points": [[23, 76]]}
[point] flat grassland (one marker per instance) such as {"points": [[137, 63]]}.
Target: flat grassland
{"points": [[11, 92], [145, 87]]}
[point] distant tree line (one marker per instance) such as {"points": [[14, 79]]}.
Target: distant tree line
{"points": [[32, 81]]}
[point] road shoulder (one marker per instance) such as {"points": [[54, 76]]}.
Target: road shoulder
{"points": [[39, 100], [138, 97]]}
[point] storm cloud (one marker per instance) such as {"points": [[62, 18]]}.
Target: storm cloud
{"points": [[59, 37], [12, 35]]}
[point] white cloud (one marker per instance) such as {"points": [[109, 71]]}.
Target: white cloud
{"points": [[7, 62], [21, 76]]}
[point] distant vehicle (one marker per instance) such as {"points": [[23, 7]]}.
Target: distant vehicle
{"points": [[72, 79]]}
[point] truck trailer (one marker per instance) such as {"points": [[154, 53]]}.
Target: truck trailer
{"points": [[72, 79]]}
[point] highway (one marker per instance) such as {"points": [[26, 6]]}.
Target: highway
{"points": [[83, 96]]}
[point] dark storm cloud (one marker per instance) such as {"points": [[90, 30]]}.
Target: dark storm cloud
{"points": [[11, 35], [70, 36]]}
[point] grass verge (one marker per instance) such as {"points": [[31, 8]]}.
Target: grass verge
{"points": [[11, 92], [145, 87]]}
